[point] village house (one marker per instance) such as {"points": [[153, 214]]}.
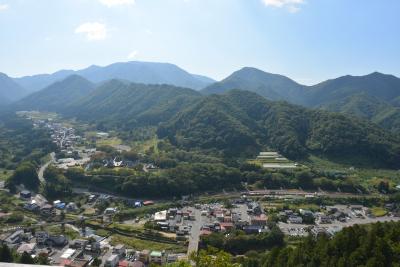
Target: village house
{"points": [[156, 257], [259, 220], [295, 219]]}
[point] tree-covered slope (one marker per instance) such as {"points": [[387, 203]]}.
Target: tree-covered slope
{"points": [[56, 96], [364, 106], [374, 97], [372, 245], [129, 104], [271, 86], [9, 90], [381, 86], [241, 123]]}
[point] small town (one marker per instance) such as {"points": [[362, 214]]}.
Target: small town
{"points": [[185, 226], [102, 229]]}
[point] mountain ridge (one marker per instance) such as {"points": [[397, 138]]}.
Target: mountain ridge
{"points": [[133, 71]]}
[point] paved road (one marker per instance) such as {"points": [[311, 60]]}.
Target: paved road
{"points": [[44, 167], [194, 236]]}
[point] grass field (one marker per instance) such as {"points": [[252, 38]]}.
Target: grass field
{"points": [[69, 232], [112, 141], [143, 146], [139, 244], [378, 211], [365, 176]]}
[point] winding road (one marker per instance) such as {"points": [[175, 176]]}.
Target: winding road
{"points": [[44, 167]]}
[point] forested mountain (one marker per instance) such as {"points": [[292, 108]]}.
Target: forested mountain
{"points": [[9, 90], [364, 106], [381, 86], [271, 86], [241, 122], [374, 97], [128, 105], [56, 96], [135, 71], [236, 123]]}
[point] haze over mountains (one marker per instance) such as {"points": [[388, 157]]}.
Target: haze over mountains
{"points": [[134, 71], [9, 90]]}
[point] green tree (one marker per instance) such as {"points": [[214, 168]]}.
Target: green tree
{"points": [[96, 262], [26, 258], [25, 174], [5, 254]]}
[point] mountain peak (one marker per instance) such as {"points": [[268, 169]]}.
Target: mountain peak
{"points": [[271, 86]]}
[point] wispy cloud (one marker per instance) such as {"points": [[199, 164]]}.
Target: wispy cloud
{"points": [[112, 3], [94, 31], [4, 7], [132, 54], [293, 6]]}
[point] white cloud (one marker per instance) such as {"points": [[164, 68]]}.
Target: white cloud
{"points": [[132, 54], [3, 7], [293, 6], [112, 3], [94, 31]]}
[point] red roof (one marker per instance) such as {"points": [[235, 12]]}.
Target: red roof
{"points": [[205, 232], [262, 217], [123, 264], [65, 262], [148, 202], [226, 224]]}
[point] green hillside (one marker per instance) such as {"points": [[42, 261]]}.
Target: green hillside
{"points": [[271, 86], [234, 124], [120, 104], [239, 123], [381, 86], [56, 96], [368, 107]]}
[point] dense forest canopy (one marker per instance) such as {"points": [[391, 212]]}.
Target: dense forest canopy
{"points": [[239, 121]]}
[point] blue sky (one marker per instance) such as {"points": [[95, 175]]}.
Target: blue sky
{"points": [[307, 40]]}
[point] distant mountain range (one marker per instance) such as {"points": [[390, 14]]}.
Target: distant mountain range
{"points": [[134, 71], [234, 123], [10, 91]]}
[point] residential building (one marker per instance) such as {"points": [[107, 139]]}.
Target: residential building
{"points": [[25, 194], [144, 256], [119, 250], [112, 261], [156, 257], [295, 219], [27, 247], [259, 220]]}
